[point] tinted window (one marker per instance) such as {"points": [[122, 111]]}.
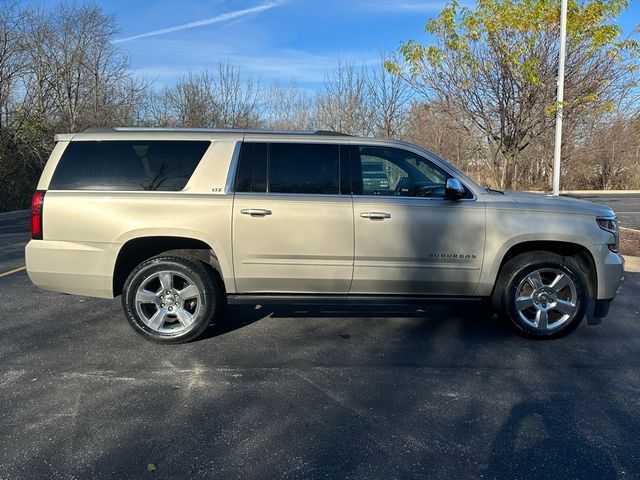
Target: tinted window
{"points": [[391, 171], [252, 168], [127, 165], [304, 168]]}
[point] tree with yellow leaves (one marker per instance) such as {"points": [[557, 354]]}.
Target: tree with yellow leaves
{"points": [[497, 64]]}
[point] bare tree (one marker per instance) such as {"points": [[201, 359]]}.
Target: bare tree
{"points": [[190, 101], [608, 157], [388, 97], [342, 105], [11, 57], [76, 72], [236, 99], [288, 108], [210, 98], [433, 126]]}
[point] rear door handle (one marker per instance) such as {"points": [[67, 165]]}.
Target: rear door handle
{"points": [[255, 212], [375, 215]]}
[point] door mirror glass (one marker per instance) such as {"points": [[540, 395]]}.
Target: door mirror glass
{"points": [[453, 189]]}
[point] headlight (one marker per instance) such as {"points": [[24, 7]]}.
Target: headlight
{"points": [[610, 224]]}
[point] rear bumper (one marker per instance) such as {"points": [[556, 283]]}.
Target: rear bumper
{"points": [[69, 267]]}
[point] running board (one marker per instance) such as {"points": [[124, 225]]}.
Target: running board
{"points": [[263, 299]]}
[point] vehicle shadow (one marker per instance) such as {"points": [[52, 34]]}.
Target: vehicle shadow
{"points": [[473, 318], [230, 319], [545, 434]]}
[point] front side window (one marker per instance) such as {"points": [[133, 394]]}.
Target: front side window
{"points": [[395, 172], [127, 165]]}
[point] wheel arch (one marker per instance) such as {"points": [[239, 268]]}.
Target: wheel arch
{"points": [[137, 250], [580, 253]]}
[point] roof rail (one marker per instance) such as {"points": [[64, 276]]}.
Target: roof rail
{"points": [[331, 133], [99, 130], [219, 130]]}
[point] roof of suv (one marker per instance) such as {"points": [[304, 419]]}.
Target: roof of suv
{"points": [[188, 133]]}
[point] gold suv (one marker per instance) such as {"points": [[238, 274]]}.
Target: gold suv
{"points": [[179, 222]]}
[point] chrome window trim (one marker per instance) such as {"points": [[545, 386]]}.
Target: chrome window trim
{"points": [[295, 195], [400, 145], [441, 199], [348, 195]]}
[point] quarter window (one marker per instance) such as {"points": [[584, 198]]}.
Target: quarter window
{"points": [[127, 165]]}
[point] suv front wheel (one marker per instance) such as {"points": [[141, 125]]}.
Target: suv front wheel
{"points": [[169, 299], [542, 294]]}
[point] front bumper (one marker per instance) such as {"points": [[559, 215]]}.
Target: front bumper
{"points": [[610, 269]]}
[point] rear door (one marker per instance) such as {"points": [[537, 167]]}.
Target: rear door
{"points": [[409, 239], [292, 226]]}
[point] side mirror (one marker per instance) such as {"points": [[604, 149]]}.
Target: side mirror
{"points": [[453, 189]]}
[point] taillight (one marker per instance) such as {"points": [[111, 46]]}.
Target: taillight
{"points": [[37, 204]]}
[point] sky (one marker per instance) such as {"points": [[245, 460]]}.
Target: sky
{"points": [[272, 40]]}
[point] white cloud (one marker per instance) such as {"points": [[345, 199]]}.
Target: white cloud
{"points": [[207, 21]]}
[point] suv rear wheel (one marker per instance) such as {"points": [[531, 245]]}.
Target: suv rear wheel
{"points": [[542, 294], [169, 299]]}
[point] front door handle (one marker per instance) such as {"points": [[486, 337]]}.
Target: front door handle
{"points": [[375, 215], [255, 212]]}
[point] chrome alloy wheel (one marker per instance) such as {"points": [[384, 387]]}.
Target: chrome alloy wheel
{"points": [[168, 301], [546, 299]]}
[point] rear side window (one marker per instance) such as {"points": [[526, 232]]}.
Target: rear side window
{"points": [[127, 165], [290, 168], [304, 168]]}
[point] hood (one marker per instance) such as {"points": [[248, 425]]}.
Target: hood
{"points": [[538, 201]]}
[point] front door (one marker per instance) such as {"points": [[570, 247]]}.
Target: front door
{"points": [[409, 239], [292, 229]]}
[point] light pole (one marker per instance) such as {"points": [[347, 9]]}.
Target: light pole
{"points": [[558, 141]]}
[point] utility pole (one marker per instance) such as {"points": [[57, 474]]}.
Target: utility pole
{"points": [[558, 144]]}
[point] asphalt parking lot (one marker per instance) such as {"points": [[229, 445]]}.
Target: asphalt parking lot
{"points": [[626, 206], [441, 391]]}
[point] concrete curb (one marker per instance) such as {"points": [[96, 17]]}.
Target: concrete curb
{"points": [[631, 264], [589, 192], [601, 192], [14, 214]]}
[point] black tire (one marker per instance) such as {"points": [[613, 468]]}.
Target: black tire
{"points": [[515, 280], [181, 319]]}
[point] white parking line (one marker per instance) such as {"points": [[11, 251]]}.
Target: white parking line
{"points": [[15, 270]]}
